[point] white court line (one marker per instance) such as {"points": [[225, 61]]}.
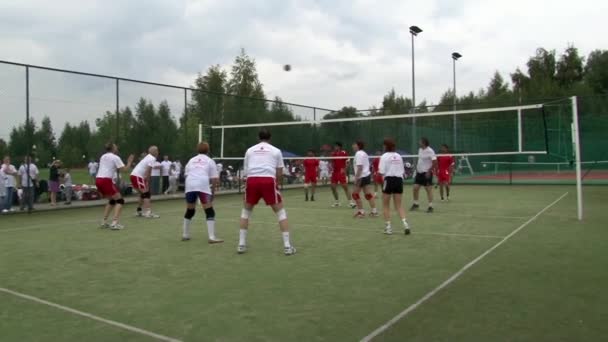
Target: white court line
{"points": [[415, 232], [455, 276], [91, 316]]}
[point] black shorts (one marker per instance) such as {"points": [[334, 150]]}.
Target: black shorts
{"points": [[422, 180], [365, 181], [392, 185]]}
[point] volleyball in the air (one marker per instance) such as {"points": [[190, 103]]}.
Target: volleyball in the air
{"points": [[287, 67]]}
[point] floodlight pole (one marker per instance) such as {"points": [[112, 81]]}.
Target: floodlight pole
{"points": [[455, 57], [414, 31]]}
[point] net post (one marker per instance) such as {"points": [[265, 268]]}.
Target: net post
{"points": [[200, 132], [222, 144], [519, 131], [577, 158]]}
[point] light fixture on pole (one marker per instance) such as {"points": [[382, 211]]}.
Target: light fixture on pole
{"points": [[455, 57]]}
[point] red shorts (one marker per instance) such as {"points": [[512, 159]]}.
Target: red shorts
{"points": [[310, 179], [338, 177], [378, 179], [444, 176], [139, 184], [262, 187], [106, 187]]}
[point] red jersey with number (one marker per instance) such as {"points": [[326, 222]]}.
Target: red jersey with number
{"points": [[339, 163], [310, 167], [445, 163]]}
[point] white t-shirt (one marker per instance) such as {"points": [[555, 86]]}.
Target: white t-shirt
{"points": [[2, 182], [425, 159], [220, 167], [23, 174], [199, 171], [263, 160], [323, 166], [174, 174], [67, 179], [93, 166], [9, 177], [391, 165], [140, 169], [165, 167], [109, 163], [155, 169], [362, 159], [178, 167]]}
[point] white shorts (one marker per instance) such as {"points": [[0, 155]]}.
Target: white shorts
{"points": [[324, 174]]}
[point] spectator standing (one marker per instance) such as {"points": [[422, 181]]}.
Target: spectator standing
{"points": [[67, 186], [165, 172], [54, 181], [155, 178], [2, 188], [28, 174], [173, 177], [10, 172], [93, 167]]}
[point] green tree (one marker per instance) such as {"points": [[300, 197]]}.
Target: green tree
{"points": [[210, 95], [596, 71], [569, 68], [46, 145]]}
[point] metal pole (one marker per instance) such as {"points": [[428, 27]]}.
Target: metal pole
{"points": [[413, 146], [454, 123], [577, 159], [520, 142], [186, 118], [117, 110], [28, 128]]}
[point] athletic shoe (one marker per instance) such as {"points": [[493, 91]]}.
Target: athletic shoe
{"points": [[306, 199], [359, 215], [335, 205], [442, 200], [241, 249], [12, 210], [185, 238], [214, 241], [312, 199], [104, 225], [447, 199], [414, 207], [388, 230], [139, 214], [430, 210], [289, 250], [4, 211], [352, 205], [406, 228], [374, 214], [116, 226], [151, 216]]}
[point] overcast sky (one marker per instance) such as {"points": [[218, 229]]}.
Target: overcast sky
{"points": [[342, 52]]}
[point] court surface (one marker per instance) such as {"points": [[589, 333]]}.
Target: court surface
{"points": [[497, 263]]}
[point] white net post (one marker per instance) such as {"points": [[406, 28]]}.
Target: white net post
{"points": [[577, 159], [520, 137], [222, 144], [200, 132]]}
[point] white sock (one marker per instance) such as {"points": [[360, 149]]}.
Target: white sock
{"points": [[416, 202], [211, 229], [186, 230], [243, 237], [286, 242], [430, 204], [375, 210], [388, 224]]}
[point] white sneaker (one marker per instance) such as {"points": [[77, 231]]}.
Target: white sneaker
{"points": [[116, 226], [289, 250], [104, 225], [352, 205], [12, 210], [241, 249], [388, 230], [4, 211], [139, 214], [152, 216], [335, 205], [406, 228]]}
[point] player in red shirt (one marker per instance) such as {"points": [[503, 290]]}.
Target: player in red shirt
{"points": [[338, 174], [311, 170], [378, 179], [446, 169]]}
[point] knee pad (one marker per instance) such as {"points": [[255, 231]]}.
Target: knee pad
{"points": [[112, 202], [189, 213], [145, 195], [282, 215], [210, 213], [356, 196], [369, 196], [120, 201], [245, 214]]}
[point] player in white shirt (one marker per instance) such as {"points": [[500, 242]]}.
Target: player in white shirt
{"points": [[263, 167], [10, 172], [93, 167], [109, 165], [140, 177], [363, 181], [28, 174], [324, 171], [165, 169], [392, 170], [202, 180], [426, 165]]}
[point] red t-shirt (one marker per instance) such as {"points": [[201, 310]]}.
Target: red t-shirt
{"points": [[339, 164], [445, 162], [310, 167], [375, 164]]}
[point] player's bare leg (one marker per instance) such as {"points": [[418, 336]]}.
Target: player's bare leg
{"points": [[386, 211], [244, 227], [119, 202], [397, 198], [313, 188], [429, 195], [210, 219], [347, 193], [370, 197], [441, 186], [334, 192], [416, 194], [284, 227], [140, 204], [106, 213], [447, 191], [306, 191], [360, 212]]}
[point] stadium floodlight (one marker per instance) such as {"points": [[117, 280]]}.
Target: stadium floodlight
{"points": [[414, 30], [455, 57]]}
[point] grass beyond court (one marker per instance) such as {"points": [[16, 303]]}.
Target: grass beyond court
{"points": [[546, 283]]}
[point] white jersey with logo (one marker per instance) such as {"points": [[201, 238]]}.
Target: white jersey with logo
{"points": [[362, 159], [155, 169], [199, 171], [425, 159], [109, 163], [391, 165], [140, 169], [263, 160]]}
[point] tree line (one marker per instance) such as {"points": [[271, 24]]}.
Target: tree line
{"points": [[237, 96]]}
